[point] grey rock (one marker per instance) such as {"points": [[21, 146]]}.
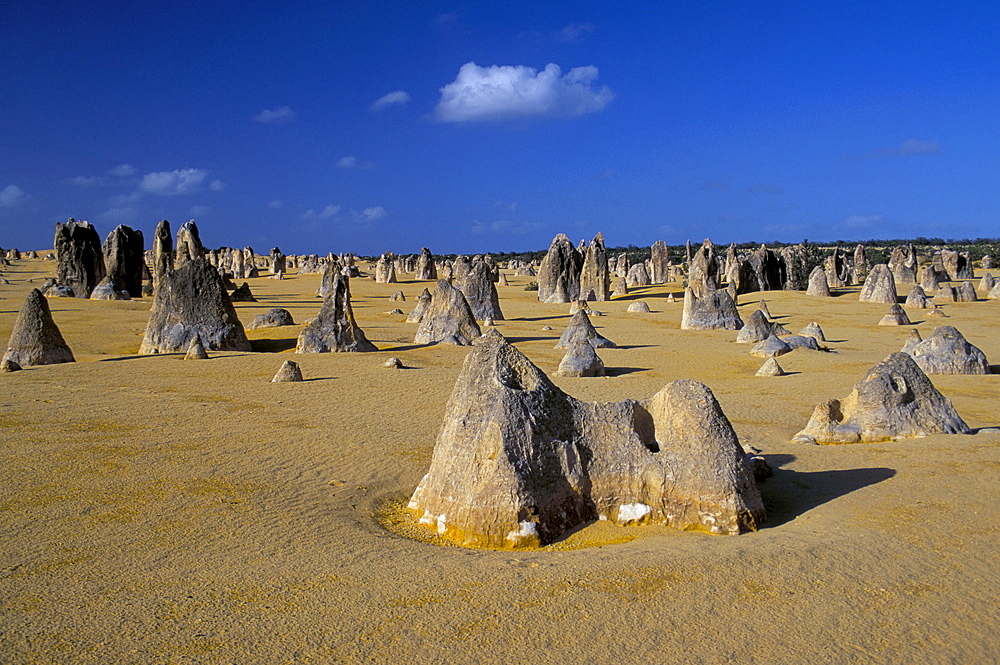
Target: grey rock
{"points": [[716, 310], [334, 329], [947, 351], [272, 318], [581, 360], [896, 316], [581, 329], [289, 372], [879, 286], [80, 261], [447, 315], [770, 348], [770, 368], [35, 338]]}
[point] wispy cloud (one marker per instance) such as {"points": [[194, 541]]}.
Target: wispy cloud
{"points": [[199, 211], [123, 171], [373, 213], [394, 98], [908, 148], [217, 186], [280, 115], [12, 196], [574, 33], [120, 215], [505, 227], [353, 163], [863, 221], [168, 183], [83, 181], [505, 92], [326, 213], [275, 204]]}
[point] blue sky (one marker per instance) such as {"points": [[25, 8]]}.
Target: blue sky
{"points": [[484, 126]]}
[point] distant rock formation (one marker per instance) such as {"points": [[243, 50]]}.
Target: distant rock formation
{"points": [[957, 265], [106, 290], [123, 260], [896, 316], [595, 280], [703, 273], [713, 311], [385, 269], [559, 272], [272, 318], [818, 283], [80, 261], [581, 329], [334, 329], [637, 275], [188, 246], [425, 265], [903, 264], [947, 351], [423, 302], [192, 301], [163, 252], [879, 286], [519, 463], [895, 400], [481, 293], [448, 317], [35, 338], [860, 263], [929, 279], [279, 262], [242, 294]]}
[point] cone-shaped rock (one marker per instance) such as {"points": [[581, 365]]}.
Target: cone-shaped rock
{"points": [[425, 265], [423, 302], [639, 306], [191, 301], [801, 342], [946, 351], [757, 328], [917, 299], [946, 294], [106, 290], [911, 341], [813, 330], [818, 284], [987, 283], [559, 272], [595, 281], [896, 316], [289, 372], [895, 400], [272, 318], [196, 350], [770, 348], [581, 329], [518, 463], [447, 315], [80, 259], [334, 329], [715, 310], [242, 294], [879, 286], [481, 293], [965, 292], [35, 338], [581, 360], [188, 246], [770, 368]]}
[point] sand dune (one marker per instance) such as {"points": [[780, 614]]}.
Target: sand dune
{"points": [[157, 510]]}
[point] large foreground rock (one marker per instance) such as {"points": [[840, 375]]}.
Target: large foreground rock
{"points": [[192, 301], [35, 338], [895, 400], [519, 463], [334, 329]]}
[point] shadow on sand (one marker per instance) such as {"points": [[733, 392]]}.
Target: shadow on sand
{"points": [[789, 494]]}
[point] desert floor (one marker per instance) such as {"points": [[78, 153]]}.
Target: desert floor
{"points": [[160, 510]]}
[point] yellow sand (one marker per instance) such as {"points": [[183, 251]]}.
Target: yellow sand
{"points": [[160, 510]]}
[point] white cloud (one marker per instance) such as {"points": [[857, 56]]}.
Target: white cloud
{"points": [[275, 204], [278, 116], [325, 213], [506, 227], [394, 98], [863, 221], [83, 181], [503, 92], [574, 33], [373, 213], [124, 200], [199, 211], [217, 186], [120, 215], [178, 181], [123, 171], [907, 148], [12, 196], [353, 163]]}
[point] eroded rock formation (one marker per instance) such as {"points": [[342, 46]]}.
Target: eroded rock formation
{"points": [[334, 329], [35, 338]]}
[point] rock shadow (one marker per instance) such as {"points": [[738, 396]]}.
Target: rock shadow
{"points": [[789, 494], [622, 371], [267, 345]]}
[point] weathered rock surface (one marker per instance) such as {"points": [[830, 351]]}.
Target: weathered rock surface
{"points": [[879, 286], [188, 246], [639, 306], [189, 302], [334, 329], [163, 252], [659, 262], [35, 338], [123, 260], [107, 290], [242, 294], [272, 319], [196, 350], [813, 330], [818, 284], [80, 261], [518, 463], [481, 293], [581, 329], [595, 280], [289, 372], [559, 272], [638, 276], [917, 299], [947, 351], [581, 360], [425, 265], [447, 315], [717, 310], [771, 347], [703, 270], [895, 400], [770, 368], [423, 302], [896, 316], [757, 328]]}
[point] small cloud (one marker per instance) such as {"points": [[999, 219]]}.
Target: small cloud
{"points": [[325, 213], [217, 186], [504, 92], [394, 98], [12, 196], [373, 213], [123, 171], [119, 215], [124, 200], [451, 23], [863, 221], [199, 211], [765, 189], [574, 33], [353, 163], [275, 204], [83, 181], [505, 227], [280, 115], [505, 206], [907, 148], [168, 183]]}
